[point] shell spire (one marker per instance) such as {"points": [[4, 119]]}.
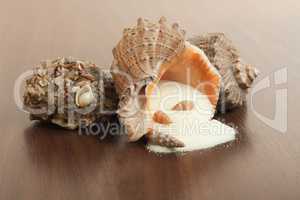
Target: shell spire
{"points": [[157, 138]]}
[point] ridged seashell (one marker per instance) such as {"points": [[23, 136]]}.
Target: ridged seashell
{"points": [[237, 76], [84, 96], [66, 85], [164, 140], [150, 52], [143, 49]]}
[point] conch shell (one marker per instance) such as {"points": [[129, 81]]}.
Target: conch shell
{"points": [[237, 76], [69, 92], [150, 52]]}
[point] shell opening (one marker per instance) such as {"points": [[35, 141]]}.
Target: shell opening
{"points": [[84, 96], [192, 68]]}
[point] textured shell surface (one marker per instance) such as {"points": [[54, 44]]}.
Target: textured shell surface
{"points": [[145, 47], [237, 76], [150, 52], [68, 91]]}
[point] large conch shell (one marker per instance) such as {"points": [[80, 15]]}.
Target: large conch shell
{"points": [[148, 53], [237, 76]]}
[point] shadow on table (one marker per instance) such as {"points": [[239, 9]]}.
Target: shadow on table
{"points": [[64, 153], [50, 145], [152, 175]]}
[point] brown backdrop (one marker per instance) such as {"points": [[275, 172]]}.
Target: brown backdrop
{"points": [[44, 162]]}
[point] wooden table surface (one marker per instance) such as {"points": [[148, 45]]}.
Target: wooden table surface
{"points": [[45, 162]]}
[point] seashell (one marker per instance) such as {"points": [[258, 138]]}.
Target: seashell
{"points": [[155, 137], [69, 86], [184, 105], [84, 96], [161, 117], [237, 76], [150, 52]]}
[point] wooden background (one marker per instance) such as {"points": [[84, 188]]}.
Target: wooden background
{"points": [[44, 162]]}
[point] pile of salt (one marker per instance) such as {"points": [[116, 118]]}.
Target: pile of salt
{"points": [[195, 127]]}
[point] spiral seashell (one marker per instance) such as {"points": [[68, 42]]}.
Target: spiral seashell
{"points": [[66, 85], [150, 52]]}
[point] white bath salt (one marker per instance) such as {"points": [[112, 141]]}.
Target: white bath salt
{"points": [[195, 128]]}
